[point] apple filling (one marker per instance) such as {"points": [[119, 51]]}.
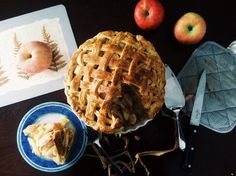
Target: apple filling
{"points": [[52, 141], [128, 108]]}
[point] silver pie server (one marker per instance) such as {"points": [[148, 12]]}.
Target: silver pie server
{"points": [[175, 101]]}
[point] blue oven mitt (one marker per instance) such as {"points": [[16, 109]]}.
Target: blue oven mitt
{"points": [[219, 108]]}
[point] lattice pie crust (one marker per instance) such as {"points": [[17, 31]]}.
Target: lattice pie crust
{"points": [[115, 80]]}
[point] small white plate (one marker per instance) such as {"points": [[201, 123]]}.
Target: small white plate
{"points": [[46, 112]]}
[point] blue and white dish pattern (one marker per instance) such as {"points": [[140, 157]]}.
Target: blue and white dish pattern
{"points": [[34, 115]]}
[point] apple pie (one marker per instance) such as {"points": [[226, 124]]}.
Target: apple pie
{"points": [[52, 141], [115, 80]]}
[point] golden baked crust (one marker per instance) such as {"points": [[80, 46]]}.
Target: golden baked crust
{"points": [[115, 80]]}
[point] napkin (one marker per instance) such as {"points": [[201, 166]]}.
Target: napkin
{"points": [[219, 106]]}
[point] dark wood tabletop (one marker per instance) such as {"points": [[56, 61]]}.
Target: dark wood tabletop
{"points": [[215, 155]]}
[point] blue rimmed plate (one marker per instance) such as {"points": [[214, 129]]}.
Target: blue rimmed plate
{"points": [[43, 112]]}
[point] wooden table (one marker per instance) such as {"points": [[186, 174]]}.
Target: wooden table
{"points": [[215, 155]]}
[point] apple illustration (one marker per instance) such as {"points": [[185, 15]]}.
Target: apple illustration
{"points": [[148, 14], [190, 28]]}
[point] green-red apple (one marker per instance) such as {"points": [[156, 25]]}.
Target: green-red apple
{"points": [[190, 28]]}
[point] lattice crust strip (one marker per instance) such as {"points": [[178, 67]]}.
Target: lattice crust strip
{"points": [[114, 80]]}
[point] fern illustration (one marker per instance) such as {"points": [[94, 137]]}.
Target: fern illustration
{"points": [[3, 78], [17, 45], [24, 75], [57, 61]]}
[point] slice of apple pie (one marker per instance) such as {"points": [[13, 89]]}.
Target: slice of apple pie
{"points": [[115, 80], [52, 141]]}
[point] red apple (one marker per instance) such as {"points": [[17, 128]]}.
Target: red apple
{"points": [[190, 28], [148, 14]]}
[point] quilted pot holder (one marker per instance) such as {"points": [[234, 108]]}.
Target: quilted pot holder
{"points": [[219, 107]]}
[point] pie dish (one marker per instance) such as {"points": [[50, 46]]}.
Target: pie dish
{"points": [[45, 113], [114, 81]]}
